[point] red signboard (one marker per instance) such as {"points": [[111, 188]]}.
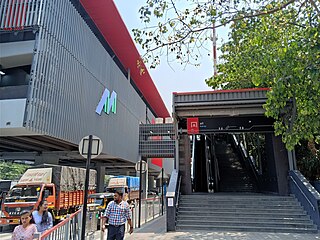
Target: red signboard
{"points": [[193, 125]]}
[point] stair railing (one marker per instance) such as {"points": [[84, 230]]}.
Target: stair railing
{"points": [[307, 195], [172, 200]]}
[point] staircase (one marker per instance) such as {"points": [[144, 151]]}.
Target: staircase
{"points": [[234, 177], [243, 212]]}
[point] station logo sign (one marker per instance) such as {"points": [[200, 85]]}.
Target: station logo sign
{"points": [[108, 102]]}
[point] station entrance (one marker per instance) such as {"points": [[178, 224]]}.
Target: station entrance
{"points": [[227, 144]]}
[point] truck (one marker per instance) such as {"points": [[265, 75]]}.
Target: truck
{"points": [[61, 186], [4, 188], [128, 185]]}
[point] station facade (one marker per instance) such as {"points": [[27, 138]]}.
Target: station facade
{"points": [[70, 69]]}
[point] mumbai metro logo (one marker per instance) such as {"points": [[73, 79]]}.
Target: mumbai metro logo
{"points": [[108, 103]]}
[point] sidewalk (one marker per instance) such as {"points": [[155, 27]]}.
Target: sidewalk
{"points": [[156, 230]]}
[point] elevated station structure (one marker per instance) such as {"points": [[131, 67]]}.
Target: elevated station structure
{"points": [[222, 114], [69, 68]]}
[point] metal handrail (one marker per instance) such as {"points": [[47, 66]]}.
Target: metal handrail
{"points": [[306, 197], [178, 193], [47, 233]]}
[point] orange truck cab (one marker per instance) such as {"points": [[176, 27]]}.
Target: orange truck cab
{"points": [[61, 186]]}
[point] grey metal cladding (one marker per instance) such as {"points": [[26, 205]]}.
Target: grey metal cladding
{"points": [[17, 15], [219, 96], [71, 69]]}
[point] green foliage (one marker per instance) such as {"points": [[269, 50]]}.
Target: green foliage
{"points": [[280, 51], [307, 162], [273, 43], [180, 28], [11, 171]]}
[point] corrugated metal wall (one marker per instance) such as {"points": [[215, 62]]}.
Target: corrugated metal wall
{"points": [[69, 73], [219, 96]]}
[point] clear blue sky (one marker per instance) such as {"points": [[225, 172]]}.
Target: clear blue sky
{"points": [[168, 79]]}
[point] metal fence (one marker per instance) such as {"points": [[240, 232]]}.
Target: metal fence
{"points": [[150, 209], [18, 14], [69, 229]]}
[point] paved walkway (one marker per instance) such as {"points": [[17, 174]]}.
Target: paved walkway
{"points": [[155, 230]]}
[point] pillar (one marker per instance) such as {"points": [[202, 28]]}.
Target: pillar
{"points": [[101, 172]]}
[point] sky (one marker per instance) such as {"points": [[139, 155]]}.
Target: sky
{"points": [[168, 78]]}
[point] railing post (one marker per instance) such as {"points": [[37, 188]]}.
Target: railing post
{"points": [[146, 211], [79, 217], [171, 213], [67, 229], [37, 236], [153, 208], [101, 223]]}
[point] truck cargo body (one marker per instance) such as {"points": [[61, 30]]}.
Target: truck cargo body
{"points": [[128, 185], [61, 186]]}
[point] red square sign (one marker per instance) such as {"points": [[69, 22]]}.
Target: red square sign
{"points": [[193, 125]]}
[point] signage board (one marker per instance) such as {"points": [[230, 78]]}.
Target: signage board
{"points": [[37, 175], [96, 146]]}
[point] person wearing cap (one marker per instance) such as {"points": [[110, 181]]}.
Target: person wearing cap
{"points": [[116, 214], [26, 229]]}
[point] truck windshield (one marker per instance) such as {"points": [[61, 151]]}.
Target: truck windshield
{"points": [[23, 192], [99, 201]]}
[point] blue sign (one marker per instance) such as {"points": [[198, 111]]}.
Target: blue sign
{"points": [[107, 102]]}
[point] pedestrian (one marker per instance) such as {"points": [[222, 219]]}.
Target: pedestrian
{"points": [[116, 214], [42, 217], [26, 229]]}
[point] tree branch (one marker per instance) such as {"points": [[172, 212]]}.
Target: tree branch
{"points": [[315, 6], [260, 13]]}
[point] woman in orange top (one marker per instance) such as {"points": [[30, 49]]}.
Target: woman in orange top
{"points": [[26, 229]]}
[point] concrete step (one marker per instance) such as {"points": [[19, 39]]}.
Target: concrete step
{"points": [[241, 205], [245, 229], [219, 213], [241, 210], [242, 202], [235, 223], [236, 197], [242, 218]]}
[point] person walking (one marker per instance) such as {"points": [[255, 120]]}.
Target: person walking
{"points": [[116, 214], [43, 217], [26, 229]]}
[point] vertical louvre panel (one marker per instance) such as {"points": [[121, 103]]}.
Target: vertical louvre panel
{"points": [[69, 73], [19, 14]]}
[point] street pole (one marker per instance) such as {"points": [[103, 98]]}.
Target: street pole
{"points": [[162, 190], [86, 187], [140, 189]]}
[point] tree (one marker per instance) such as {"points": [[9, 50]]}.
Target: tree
{"points": [[280, 51], [11, 171], [180, 28], [272, 43]]}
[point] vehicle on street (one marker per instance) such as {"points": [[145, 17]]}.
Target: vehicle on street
{"points": [[61, 186], [128, 185]]}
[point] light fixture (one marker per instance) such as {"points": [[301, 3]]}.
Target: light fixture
{"points": [[1, 72]]}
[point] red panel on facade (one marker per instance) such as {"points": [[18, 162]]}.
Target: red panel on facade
{"points": [[108, 20], [157, 161], [193, 125]]}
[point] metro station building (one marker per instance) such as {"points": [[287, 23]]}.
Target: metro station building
{"points": [[70, 69]]}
